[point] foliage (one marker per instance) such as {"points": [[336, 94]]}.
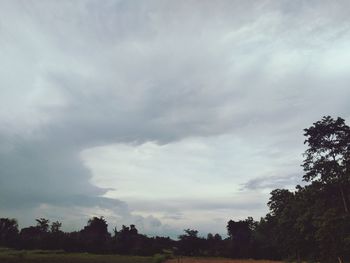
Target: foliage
{"points": [[189, 243], [241, 237], [327, 160]]}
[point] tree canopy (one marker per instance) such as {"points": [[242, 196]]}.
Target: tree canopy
{"points": [[327, 159]]}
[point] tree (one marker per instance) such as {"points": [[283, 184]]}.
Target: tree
{"points": [[55, 239], [327, 159], [293, 214], [55, 227], [126, 239], [95, 234], [240, 233], [189, 243], [8, 231], [213, 244], [97, 226], [279, 199], [265, 236], [333, 236], [35, 237], [42, 225], [133, 230]]}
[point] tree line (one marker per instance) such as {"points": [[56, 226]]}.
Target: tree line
{"points": [[311, 223]]}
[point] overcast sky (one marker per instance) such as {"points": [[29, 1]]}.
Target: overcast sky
{"points": [[165, 114]]}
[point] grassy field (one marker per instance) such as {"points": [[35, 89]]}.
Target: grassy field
{"points": [[40, 256], [218, 260], [43, 256]]}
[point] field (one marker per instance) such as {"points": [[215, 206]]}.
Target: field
{"points": [[40, 256], [217, 260]]}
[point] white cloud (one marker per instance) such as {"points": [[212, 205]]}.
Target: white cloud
{"points": [[195, 176]]}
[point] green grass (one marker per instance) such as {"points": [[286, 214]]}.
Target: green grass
{"points": [[42, 256]]}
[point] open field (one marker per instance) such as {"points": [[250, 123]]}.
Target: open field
{"points": [[218, 260], [43, 256], [40, 256]]}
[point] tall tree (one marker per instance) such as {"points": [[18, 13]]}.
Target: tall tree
{"points": [[327, 159]]}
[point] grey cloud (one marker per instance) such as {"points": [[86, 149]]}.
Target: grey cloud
{"points": [[189, 89], [273, 182], [173, 216], [43, 171], [171, 206]]}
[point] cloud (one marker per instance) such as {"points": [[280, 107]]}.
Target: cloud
{"points": [[273, 182]]}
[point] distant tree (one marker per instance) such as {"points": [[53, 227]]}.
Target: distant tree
{"points": [[55, 227], [133, 230], [31, 238], [214, 246], [191, 233], [240, 234], [97, 226], [95, 234], [217, 237], [210, 236], [56, 237], [42, 225], [8, 231], [126, 239], [189, 243], [265, 237]]}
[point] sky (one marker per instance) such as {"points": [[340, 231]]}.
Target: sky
{"points": [[165, 114]]}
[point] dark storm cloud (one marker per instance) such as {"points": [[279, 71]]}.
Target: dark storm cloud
{"points": [[79, 74], [42, 171]]}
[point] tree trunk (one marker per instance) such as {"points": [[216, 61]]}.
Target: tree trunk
{"points": [[345, 203]]}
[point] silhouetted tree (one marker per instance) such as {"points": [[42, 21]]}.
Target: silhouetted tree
{"points": [[190, 244], [95, 234], [125, 239], [31, 238], [8, 231], [56, 237], [265, 237], [240, 234], [55, 227], [42, 225], [214, 245], [327, 159]]}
